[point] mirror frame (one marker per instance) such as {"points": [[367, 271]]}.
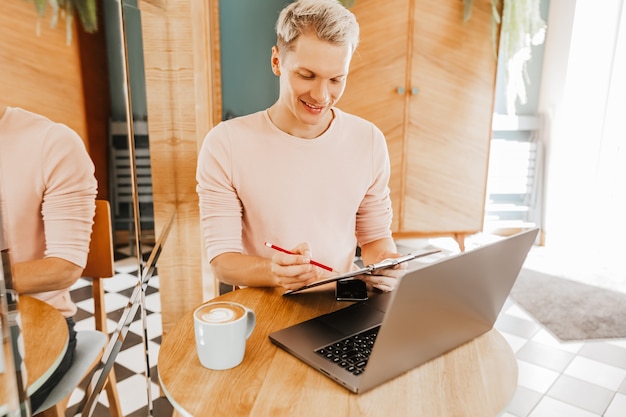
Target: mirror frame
{"points": [[182, 71]]}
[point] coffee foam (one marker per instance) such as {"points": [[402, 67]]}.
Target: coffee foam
{"points": [[218, 315]]}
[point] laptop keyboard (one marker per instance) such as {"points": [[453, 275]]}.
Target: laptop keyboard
{"points": [[351, 353]]}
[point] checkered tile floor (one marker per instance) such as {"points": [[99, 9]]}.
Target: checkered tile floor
{"points": [[130, 364], [582, 379]]}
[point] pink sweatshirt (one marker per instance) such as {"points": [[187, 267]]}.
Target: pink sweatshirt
{"points": [[257, 183], [48, 192]]}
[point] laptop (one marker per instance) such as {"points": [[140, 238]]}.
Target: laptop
{"points": [[433, 310]]}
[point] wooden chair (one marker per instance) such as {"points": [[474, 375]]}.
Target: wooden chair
{"points": [[99, 266]]}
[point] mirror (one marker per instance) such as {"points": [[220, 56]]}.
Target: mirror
{"points": [[76, 93], [11, 389]]}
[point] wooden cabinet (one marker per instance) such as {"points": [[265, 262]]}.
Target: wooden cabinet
{"points": [[426, 78]]}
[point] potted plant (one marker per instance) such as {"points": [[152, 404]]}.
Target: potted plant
{"points": [[86, 10], [521, 27]]}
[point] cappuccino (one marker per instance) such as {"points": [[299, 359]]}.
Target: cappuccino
{"points": [[221, 330], [220, 313]]}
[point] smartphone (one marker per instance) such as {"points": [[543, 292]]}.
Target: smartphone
{"points": [[351, 290]]}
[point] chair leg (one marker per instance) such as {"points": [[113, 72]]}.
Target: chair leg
{"points": [[57, 410], [115, 409]]}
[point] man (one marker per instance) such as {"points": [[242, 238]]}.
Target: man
{"points": [[48, 192], [301, 174]]}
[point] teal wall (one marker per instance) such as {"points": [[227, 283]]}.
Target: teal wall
{"points": [[115, 59], [247, 31]]}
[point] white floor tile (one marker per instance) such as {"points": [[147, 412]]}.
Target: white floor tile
{"points": [[154, 282], [134, 359], [120, 282], [549, 407], [545, 356], [618, 342], [133, 393], [523, 401], [617, 408], [596, 372], [126, 265], [80, 283], [76, 396], [90, 324], [516, 311], [545, 337], [582, 394], [153, 325], [112, 301], [535, 377], [515, 342], [153, 302]]}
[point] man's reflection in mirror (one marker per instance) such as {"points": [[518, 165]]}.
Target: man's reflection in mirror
{"points": [[49, 191]]}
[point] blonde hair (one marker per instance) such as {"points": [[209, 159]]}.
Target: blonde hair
{"points": [[328, 19]]}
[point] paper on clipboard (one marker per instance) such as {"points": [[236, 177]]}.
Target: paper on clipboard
{"points": [[369, 269]]}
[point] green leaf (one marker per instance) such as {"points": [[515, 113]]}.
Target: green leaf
{"points": [[87, 11], [347, 3], [467, 9], [40, 7], [496, 20]]}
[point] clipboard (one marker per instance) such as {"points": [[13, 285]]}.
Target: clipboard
{"points": [[368, 269]]}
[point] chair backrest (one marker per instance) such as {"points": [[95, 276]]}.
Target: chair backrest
{"points": [[100, 258], [100, 263]]}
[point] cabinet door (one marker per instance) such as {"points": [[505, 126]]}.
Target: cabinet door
{"points": [[377, 69], [453, 66]]}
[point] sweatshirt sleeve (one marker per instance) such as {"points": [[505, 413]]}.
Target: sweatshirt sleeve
{"points": [[374, 216], [69, 199], [220, 207]]}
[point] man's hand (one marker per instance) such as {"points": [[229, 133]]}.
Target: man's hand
{"points": [[386, 279], [294, 271]]}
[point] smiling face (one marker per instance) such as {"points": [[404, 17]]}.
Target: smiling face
{"points": [[312, 79]]}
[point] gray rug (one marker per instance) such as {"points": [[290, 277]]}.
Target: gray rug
{"points": [[569, 309]]}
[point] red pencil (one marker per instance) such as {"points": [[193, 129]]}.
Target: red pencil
{"points": [[312, 262]]}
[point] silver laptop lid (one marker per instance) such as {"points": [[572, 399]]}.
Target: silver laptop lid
{"points": [[443, 305]]}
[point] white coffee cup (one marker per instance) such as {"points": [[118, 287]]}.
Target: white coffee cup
{"points": [[222, 329]]}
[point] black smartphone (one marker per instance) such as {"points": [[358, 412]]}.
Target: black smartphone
{"points": [[351, 290]]}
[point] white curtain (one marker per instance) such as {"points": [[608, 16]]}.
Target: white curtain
{"points": [[583, 97]]}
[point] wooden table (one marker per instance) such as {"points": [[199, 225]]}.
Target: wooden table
{"points": [[476, 379], [8, 389], [45, 340]]}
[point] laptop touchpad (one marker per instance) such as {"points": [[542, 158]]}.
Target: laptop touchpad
{"points": [[355, 318]]}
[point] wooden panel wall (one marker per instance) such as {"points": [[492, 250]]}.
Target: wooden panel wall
{"points": [[66, 83], [179, 88], [40, 73]]}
